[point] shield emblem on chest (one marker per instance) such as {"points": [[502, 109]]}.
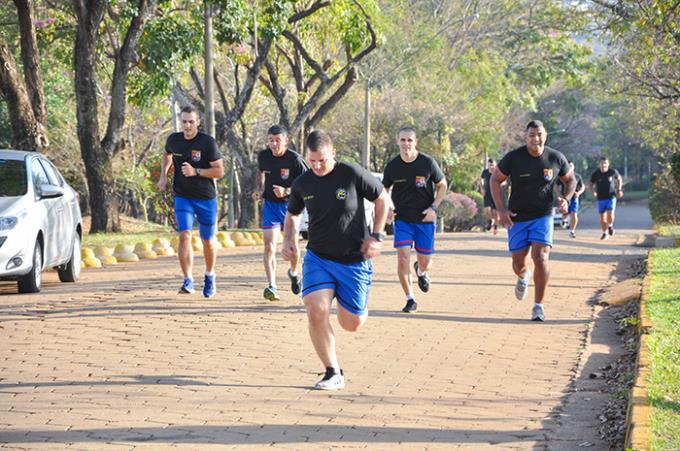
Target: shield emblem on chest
{"points": [[195, 155], [285, 173], [547, 174]]}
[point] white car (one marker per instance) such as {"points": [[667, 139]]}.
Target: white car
{"points": [[40, 221]]}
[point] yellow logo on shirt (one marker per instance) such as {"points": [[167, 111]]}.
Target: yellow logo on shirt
{"points": [[341, 194]]}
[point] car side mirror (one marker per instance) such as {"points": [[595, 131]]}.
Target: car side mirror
{"points": [[50, 191]]}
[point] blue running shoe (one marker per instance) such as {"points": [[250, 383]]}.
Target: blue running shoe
{"points": [[187, 286], [209, 286]]}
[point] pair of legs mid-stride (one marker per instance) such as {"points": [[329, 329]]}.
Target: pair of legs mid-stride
{"points": [[606, 209], [421, 237], [273, 215]]}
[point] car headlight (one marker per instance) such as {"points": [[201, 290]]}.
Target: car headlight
{"points": [[8, 222]]}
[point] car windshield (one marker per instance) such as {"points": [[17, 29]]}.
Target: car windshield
{"points": [[12, 178]]}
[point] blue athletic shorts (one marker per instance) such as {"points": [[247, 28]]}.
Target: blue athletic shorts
{"points": [[607, 204], [351, 281], [205, 210], [574, 205], [273, 214], [408, 233], [522, 234]]}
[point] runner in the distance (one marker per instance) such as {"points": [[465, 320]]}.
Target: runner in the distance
{"points": [[575, 203], [278, 167], [337, 263], [607, 186], [535, 169], [489, 207], [417, 186], [197, 164]]}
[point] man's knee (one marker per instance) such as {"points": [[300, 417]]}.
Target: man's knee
{"points": [[185, 235], [541, 256], [317, 311], [351, 323]]}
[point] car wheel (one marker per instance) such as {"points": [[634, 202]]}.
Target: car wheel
{"points": [[70, 272], [30, 283]]}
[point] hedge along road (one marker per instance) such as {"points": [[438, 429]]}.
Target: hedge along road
{"points": [[120, 360]]}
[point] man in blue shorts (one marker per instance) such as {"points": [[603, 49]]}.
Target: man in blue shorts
{"points": [[197, 164], [572, 212], [535, 169], [337, 263], [417, 186], [607, 186], [278, 167]]}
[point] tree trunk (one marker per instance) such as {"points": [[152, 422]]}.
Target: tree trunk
{"points": [[30, 59], [247, 213], [27, 132]]}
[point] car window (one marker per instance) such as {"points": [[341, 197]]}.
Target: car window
{"points": [[52, 173], [39, 176], [13, 181]]}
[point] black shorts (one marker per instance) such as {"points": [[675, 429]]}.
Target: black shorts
{"points": [[488, 202]]}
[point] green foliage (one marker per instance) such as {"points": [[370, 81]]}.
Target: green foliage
{"points": [[675, 167], [664, 199]]}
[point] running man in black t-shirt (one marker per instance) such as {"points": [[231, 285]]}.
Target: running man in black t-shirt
{"points": [[278, 167], [607, 186], [417, 186], [197, 163], [337, 263], [534, 168], [489, 207], [575, 203]]}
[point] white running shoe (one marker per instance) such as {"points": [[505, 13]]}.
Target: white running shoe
{"points": [[522, 286], [331, 380], [537, 313]]}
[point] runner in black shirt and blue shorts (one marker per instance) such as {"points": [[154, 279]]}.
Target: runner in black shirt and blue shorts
{"points": [[417, 187], [535, 169], [278, 167], [197, 163], [607, 186], [575, 203], [489, 207], [337, 263]]}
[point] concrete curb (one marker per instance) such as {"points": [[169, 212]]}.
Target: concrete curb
{"points": [[637, 417]]}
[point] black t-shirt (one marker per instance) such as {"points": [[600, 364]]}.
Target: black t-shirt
{"points": [[335, 204], [198, 152], [280, 171], [605, 183], [533, 181], [413, 189], [579, 184], [486, 176]]}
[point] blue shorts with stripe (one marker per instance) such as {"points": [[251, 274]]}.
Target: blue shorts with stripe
{"points": [[350, 281], [574, 205], [606, 204], [412, 234], [273, 214], [204, 210], [523, 233]]}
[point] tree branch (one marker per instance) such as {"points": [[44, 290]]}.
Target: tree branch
{"points": [[308, 12]]}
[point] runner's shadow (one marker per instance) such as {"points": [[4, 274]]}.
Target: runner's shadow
{"points": [[422, 315]]}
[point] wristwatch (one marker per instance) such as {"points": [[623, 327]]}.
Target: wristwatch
{"points": [[378, 236], [434, 208], [198, 172]]}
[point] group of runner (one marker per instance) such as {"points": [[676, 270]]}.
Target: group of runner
{"points": [[337, 262]]}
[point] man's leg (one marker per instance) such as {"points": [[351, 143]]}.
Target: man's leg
{"points": [[404, 269], [349, 321], [610, 221], [487, 215], [424, 262], [603, 221], [519, 263], [573, 220], [540, 254], [318, 306], [271, 236], [185, 253], [210, 255]]}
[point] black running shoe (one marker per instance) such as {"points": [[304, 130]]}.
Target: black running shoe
{"points": [[610, 230], [410, 307], [423, 281], [294, 282]]}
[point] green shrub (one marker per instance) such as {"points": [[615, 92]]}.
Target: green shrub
{"points": [[664, 198]]}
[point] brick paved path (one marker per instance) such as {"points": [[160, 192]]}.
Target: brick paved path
{"points": [[120, 361]]}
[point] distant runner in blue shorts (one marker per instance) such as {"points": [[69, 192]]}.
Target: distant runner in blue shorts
{"points": [[197, 164], [337, 263], [574, 205], [607, 186], [278, 167], [534, 168], [417, 187]]}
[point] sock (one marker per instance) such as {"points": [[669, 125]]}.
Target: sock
{"points": [[210, 273], [410, 296], [536, 303], [189, 278], [419, 273], [292, 273]]}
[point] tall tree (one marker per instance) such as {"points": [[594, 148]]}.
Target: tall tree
{"points": [[97, 151], [25, 96]]}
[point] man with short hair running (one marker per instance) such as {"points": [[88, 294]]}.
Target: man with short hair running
{"points": [[337, 263], [489, 207], [278, 167], [534, 169], [607, 186], [417, 186], [572, 212], [197, 164]]}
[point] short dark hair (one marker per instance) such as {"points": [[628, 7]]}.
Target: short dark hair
{"points": [[603, 158], [407, 128], [491, 160], [535, 124], [277, 129], [189, 109], [318, 139]]}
